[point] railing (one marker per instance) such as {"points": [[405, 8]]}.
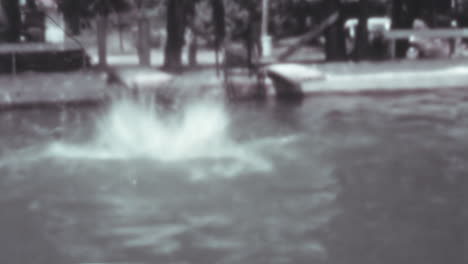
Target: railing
{"points": [[427, 33]]}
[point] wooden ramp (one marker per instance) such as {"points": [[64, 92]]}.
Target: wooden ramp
{"points": [[293, 80]]}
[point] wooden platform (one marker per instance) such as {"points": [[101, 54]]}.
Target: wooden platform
{"points": [[370, 77], [42, 57]]}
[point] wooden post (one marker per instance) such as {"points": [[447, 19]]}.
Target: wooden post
{"points": [[102, 40], [144, 48]]}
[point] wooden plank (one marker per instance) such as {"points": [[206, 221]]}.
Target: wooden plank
{"points": [[427, 33]]}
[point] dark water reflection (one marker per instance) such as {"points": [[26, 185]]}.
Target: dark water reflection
{"points": [[367, 179]]}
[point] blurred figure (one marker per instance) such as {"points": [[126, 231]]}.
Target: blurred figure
{"points": [[422, 47]]}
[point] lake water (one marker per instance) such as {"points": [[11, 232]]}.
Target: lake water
{"points": [[330, 179]]}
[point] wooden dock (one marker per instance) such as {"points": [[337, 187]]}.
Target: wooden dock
{"points": [[291, 80]]}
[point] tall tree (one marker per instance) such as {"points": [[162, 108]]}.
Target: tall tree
{"points": [[12, 11], [219, 22], [71, 15], [335, 48], [175, 27], [362, 36], [400, 20]]}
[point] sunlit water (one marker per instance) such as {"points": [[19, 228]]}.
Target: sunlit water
{"points": [[331, 179]]}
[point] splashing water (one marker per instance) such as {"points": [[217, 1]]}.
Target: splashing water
{"points": [[196, 134], [131, 130]]}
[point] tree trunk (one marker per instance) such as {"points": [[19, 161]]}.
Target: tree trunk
{"points": [[31, 4], [219, 22], [13, 15], [335, 48], [71, 15], [175, 28], [400, 21], [362, 35]]}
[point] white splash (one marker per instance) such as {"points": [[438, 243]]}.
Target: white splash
{"points": [[195, 136]]}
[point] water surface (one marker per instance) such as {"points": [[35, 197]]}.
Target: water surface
{"points": [[330, 179]]}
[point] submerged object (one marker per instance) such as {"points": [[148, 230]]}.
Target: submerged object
{"points": [[288, 78]]}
